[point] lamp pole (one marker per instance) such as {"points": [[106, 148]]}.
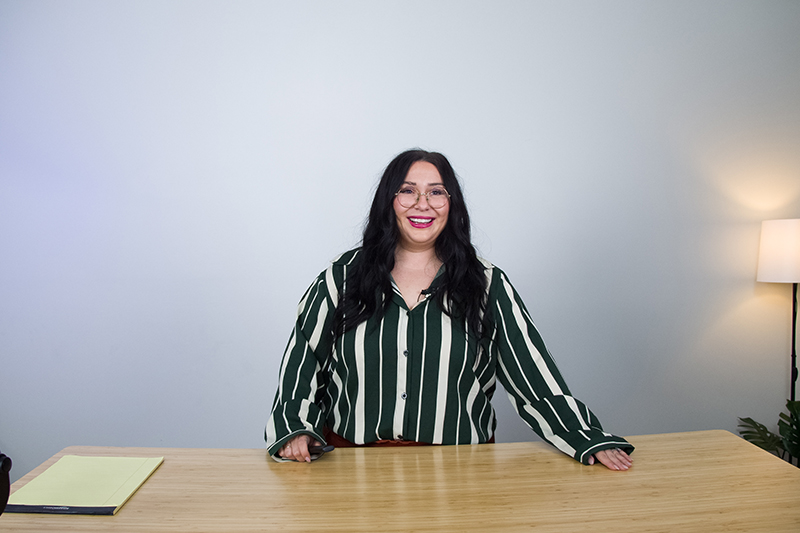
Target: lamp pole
{"points": [[794, 338]]}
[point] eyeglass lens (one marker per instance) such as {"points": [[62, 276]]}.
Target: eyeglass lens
{"points": [[409, 196]]}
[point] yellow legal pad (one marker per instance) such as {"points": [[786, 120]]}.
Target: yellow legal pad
{"points": [[84, 485]]}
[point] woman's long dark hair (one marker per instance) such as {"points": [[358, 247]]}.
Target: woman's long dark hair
{"points": [[368, 289]]}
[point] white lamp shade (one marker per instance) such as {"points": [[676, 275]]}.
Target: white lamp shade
{"points": [[779, 253]]}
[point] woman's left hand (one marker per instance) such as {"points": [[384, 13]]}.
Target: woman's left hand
{"points": [[614, 459]]}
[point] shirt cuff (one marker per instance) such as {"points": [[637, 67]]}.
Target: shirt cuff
{"points": [[585, 454]]}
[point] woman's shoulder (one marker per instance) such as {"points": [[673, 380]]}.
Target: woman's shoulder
{"points": [[489, 268], [347, 258], [332, 278], [486, 263], [494, 274]]}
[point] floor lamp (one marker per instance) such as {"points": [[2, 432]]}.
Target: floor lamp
{"points": [[779, 262]]}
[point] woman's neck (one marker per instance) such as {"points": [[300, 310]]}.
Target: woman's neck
{"points": [[419, 259], [413, 272]]}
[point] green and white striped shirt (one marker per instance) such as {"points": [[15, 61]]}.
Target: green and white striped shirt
{"points": [[416, 375]]}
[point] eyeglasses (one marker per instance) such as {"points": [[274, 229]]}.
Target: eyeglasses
{"points": [[408, 196]]}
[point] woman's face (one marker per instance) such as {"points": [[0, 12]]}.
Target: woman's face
{"points": [[421, 224]]}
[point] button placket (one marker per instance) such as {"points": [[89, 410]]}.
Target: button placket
{"points": [[402, 373]]}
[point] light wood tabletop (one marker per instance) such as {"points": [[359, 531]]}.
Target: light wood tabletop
{"points": [[699, 481]]}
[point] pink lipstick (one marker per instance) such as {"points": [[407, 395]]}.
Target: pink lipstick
{"points": [[421, 222]]}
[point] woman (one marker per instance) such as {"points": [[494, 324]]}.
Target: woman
{"points": [[402, 340]]}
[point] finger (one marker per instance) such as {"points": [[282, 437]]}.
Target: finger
{"points": [[614, 459], [293, 450], [625, 458], [622, 457], [287, 452], [607, 460], [302, 452]]}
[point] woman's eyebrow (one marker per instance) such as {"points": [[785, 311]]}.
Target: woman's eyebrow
{"points": [[430, 184]]}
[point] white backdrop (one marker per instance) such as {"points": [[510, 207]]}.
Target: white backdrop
{"points": [[174, 174]]}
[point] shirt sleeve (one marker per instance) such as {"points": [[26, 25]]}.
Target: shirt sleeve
{"points": [[535, 386], [296, 409]]}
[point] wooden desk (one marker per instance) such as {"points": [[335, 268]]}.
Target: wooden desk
{"points": [[704, 481]]}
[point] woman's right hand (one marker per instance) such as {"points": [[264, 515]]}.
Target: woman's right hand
{"points": [[297, 448]]}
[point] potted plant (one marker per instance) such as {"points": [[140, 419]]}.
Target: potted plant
{"points": [[787, 444]]}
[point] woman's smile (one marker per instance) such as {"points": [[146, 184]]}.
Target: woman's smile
{"points": [[421, 222]]}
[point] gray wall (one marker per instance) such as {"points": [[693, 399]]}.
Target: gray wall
{"points": [[174, 174]]}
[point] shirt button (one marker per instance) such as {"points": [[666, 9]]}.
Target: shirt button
{"points": [[404, 396], [399, 437], [405, 352]]}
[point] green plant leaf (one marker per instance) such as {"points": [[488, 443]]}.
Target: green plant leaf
{"points": [[789, 427], [759, 435]]}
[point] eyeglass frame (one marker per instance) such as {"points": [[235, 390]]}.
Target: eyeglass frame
{"points": [[421, 194]]}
